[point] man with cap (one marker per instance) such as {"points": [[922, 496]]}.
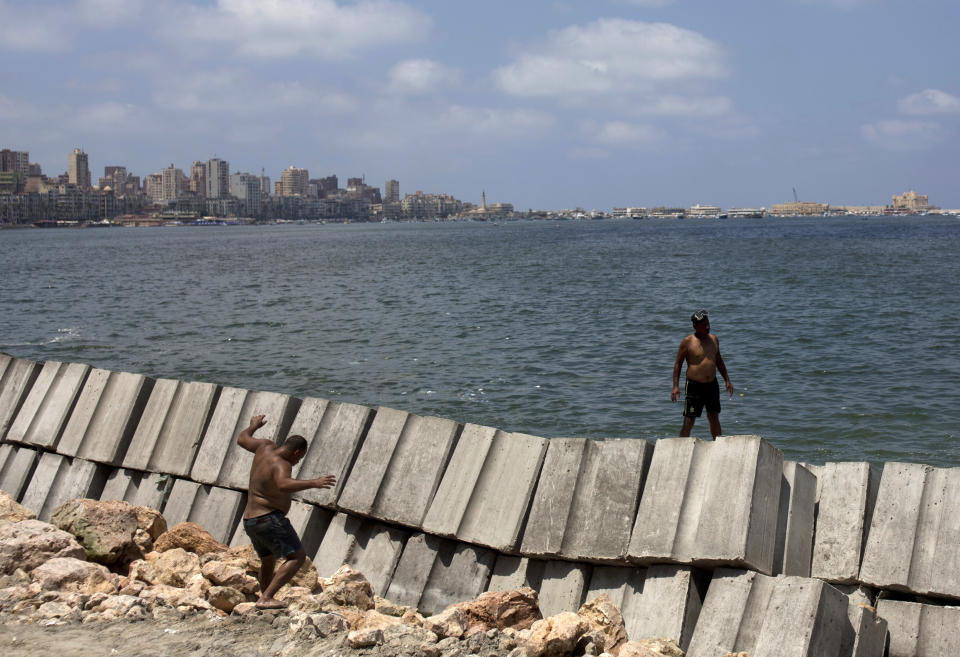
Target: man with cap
{"points": [[701, 351]]}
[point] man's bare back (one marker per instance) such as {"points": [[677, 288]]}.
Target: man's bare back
{"points": [[263, 496]]}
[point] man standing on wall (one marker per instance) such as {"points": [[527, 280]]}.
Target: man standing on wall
{"points": [[701, 351], [268, 501]]}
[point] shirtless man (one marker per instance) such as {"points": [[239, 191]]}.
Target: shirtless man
{"points": [[268, 500], [701, 351]]}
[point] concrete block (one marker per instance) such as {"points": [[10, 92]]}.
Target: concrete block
{"points": [[915, 533], [17, 464], [563, 586], [334, 432], [921, 630], [370, 547], [586, 499], [513, 572], [781, 616], [710, 503], [434, 573], [16, 378], [138, 488], [848, 492], [486, 488], [867, 634], [220, 460], [309, 521], [105, 416], [798, 500], [45, 411], [57, 479], [398, 445], [215, 509], [550, 511], [171, 427]]}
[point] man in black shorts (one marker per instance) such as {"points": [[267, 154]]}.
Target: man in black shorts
{"points": [[268, 501], [701, 351]]}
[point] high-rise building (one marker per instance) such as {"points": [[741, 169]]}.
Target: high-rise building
{"points": [[115, 178], [218, 178], [78, 169], [264, 185], [171, 183], [198, 178], [16, 161], [153, 186], [391, 192], [327, 186], [294, 182], [246, 187]]}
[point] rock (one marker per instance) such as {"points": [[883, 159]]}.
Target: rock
{"points": [[222, 574], [305, 578], [104, 529], [605, 617], [118, 605], [329, 623], [150, 521], [174, 567], [67, 574], [651, 648], [18, 577], [225, 598], [384, 606], [347, 588], [449, 623], [172, 596], [245, 609], [29, 543], [365, 638], [199, 585], [188, 536], [555, 636], [57, 610], [517, 609], [11, 511], [374, 619]]}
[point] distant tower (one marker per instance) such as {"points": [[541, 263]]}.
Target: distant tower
{"points": [[78, 169], [483, 200]]}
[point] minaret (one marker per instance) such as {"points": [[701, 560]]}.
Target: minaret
{"points": [[483, 200]]}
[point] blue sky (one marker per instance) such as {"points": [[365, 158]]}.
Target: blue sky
{"points": [[543, 104]]}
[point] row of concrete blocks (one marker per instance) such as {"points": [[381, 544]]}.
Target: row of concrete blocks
{"points": [[708, 614], [733, 502]]}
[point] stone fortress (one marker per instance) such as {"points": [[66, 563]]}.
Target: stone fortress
{"points": [[723, 546]]}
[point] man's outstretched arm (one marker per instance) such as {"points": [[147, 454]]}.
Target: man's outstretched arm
{"points": [[245, 438], [287, 484]]}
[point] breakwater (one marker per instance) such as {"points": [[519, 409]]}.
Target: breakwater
{"points": [[723, 546]]}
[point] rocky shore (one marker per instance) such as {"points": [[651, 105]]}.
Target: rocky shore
{"points": [[109, 578]]}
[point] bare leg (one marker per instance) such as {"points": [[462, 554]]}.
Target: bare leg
{"points": [[266, 572], [283, 575], [714, 424], [687, 426]]}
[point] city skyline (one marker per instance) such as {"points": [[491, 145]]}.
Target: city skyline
{"points": [[613, 103]]}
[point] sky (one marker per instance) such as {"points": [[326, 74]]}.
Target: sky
{"points": [[543, 104]]}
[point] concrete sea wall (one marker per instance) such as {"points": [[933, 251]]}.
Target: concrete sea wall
{"points": [[723, 545]]}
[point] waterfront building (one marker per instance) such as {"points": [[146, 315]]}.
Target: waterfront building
{"points": [[628, 213], [704, 211], [294, 182], [198, 178], [114, 177], [218, 178], [15, 162], [862, 210], [246, 188], [264, 185], [799, 208], [153, 186], [78, 169], [391, 192], [171, 183], [327, 186], [745, 213], [910, 202]]}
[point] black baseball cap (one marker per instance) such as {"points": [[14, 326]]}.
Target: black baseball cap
{"points": [[699, 316]]}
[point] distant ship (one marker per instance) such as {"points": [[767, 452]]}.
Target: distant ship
{"points": [[746, 213]]}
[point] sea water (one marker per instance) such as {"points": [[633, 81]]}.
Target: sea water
{"points": [[841, 335]]}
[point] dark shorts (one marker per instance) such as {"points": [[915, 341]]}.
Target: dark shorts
{"points": [[698, 395], [272, 535]]}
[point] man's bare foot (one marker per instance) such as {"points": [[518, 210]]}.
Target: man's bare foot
{"points": [[271, 603]]}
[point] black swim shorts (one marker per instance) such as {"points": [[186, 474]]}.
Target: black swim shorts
{"points": [[272, 535], [698, 395]]}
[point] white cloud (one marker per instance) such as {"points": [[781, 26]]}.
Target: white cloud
{"points": [[25, 27], [110, 118], [671, 105], [611, 56], [896, 134], [929, 101], [648, 3], [622, 132], [495, 122], [285, 28], [420, 76]]}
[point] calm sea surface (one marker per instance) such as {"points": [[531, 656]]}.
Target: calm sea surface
{"points": [[841, 335]]}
